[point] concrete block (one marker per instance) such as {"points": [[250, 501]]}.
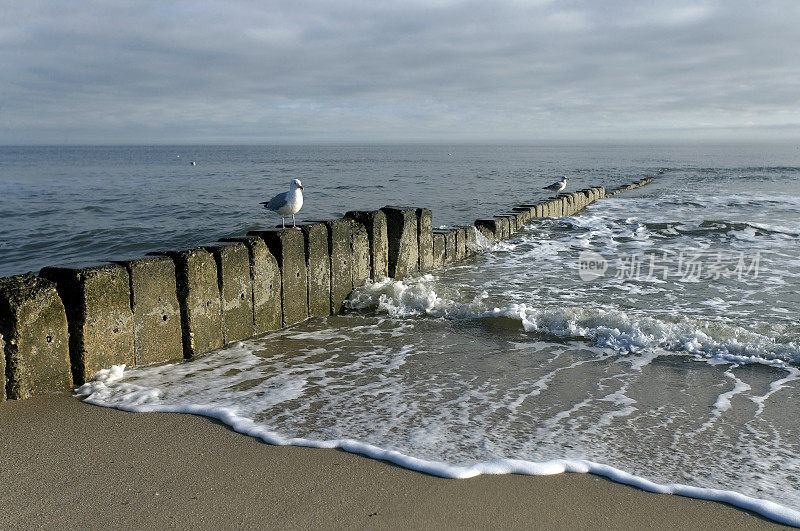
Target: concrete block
{"points": [[34, 343], [488, 227], [401, 227], [471, 239], [318, 265], [97, 301], [288, 248], [236, 290], [375, 223], [438, 250], [524, 214], [501, 228], [359, 250], [508, 224], [425, 239], [199, 300], [265, 276], [451, 246], [341, 256], [461, 243], [156, 312]]}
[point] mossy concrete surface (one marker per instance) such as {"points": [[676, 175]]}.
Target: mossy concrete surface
{"points": [[318, 263], [98, 305], [359, 251], [425, 239], [402, 231], [375, 223], [35, 341], [438, 249], [199, 300], [156, 312], [235, 288], [266, 281], [288, 248]]}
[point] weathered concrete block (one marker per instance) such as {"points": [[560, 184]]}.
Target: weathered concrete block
{"points": [[2, 369], [425, 239], [461, 243], [341, 256], [402, 230], [375, 223], [156, 312], [199, 299], [236, 290], [97, 301], [451, 246], [318, 265], [34, 341], [359, 249], [524, 214], [288, 248], [508, 224], [265, 276], [488, 227], [438, 249], [471, 239]]}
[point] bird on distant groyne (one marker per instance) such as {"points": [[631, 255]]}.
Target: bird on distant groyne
{"points": [[287, 203], [558, 185]]}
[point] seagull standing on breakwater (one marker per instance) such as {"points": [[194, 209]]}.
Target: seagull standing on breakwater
{"points": [[558, 185], [287, 203]]}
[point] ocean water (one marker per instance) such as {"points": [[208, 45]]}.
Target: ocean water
{"points": [[671, 364]]}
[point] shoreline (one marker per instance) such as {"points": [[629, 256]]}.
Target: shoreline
{"points": [[67, 461]]}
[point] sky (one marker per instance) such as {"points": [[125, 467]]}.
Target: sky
{"points": [[251, 72]]}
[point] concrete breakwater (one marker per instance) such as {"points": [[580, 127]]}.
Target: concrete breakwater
{"points": [[61, 326]]}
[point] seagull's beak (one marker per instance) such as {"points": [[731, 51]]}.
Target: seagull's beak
{"points": [[302, 187]]}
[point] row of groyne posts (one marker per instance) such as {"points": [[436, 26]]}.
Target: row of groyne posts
{"points": [[63, 325]]}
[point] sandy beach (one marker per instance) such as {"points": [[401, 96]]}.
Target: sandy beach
{"points": [[69, 464]]}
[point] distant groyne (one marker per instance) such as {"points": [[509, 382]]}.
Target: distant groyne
{"points": [[61, 326]]}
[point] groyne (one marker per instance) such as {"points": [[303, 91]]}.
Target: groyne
{"points": [[61, 326]]}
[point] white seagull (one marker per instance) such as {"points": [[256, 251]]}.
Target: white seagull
{"points": [[287, 203], [558, 185]]}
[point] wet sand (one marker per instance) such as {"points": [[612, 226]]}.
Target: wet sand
{"points": [[69, 464]]}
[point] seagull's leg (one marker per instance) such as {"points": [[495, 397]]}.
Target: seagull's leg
{"points": [[283, 222]]}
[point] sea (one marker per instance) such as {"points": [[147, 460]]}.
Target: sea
{"points": [[653, 338]]}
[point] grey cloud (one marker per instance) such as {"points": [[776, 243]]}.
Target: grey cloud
{"points": [[463, 70]]}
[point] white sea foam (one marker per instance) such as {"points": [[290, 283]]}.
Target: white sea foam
{"points": [[107, 389], [608, 328]]}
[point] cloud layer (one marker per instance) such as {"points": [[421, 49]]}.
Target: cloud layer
{"points": [[251, 71]]}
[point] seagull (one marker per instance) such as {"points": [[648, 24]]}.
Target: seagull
{"points": [[287, 203], [558, 185]]}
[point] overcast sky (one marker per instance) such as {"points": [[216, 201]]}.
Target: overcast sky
{"points": [[436, 70]]}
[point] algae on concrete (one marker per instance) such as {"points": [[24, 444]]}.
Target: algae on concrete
{"points": [[402, 231], [98, 305], [425, 239], [235, 288], [375, 223], [156, 312], [199, 299], [288, 248], [266, 280], [33, 325], [318, 263]]}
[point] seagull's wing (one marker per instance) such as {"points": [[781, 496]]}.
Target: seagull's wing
{"points": [[277, 202], [552, 186]]}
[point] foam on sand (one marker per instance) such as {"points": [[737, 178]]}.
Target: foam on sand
{"points": [[106, 389]]}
